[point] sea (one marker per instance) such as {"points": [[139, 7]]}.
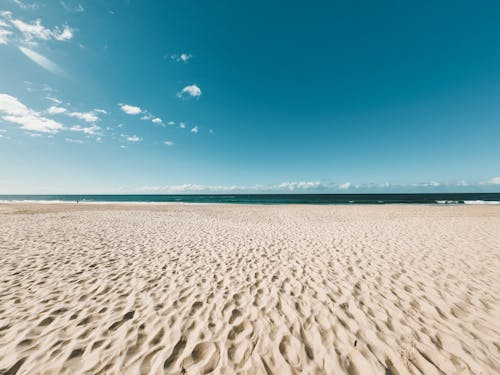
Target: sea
{"points": [[268, 199]]}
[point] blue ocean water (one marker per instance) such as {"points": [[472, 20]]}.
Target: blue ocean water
{"points": [[441, 198]]}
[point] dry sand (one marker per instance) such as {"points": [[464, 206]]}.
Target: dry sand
{"points": [[229, 289]]}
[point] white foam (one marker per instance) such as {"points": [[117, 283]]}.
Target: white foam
{"points": [[481, 202]]}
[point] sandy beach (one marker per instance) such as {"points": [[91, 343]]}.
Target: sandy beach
{"points": [[224, 289]]}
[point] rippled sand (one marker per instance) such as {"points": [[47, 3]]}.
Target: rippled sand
{"points": [[169, 289]]}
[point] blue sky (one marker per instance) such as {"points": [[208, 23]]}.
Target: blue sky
{"points": [[261, 96]]}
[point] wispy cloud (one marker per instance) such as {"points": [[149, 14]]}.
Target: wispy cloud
{"points": [[4, 35], [35, 30], [195, 130], [189, 91], [168, 143], [72, 7], [494, 181], [24, 5], [73, 140], [305, 186], [42, 61], [15, 112]]}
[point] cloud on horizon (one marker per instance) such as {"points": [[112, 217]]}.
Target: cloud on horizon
{"points": [[306, 187]]}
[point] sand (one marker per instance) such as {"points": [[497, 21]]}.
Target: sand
{"points": [[154, 289]]}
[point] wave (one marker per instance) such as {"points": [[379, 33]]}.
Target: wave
{"points": [[481, 202]]}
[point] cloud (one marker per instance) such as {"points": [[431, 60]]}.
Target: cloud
{"points": [[168, 143], [130, 109], [345, 186], [54, 110], [15, 112], [195, 130], [4, 34], [190, 91], [85, 116], [53, 100], [298, 185], [157, 120], [195, 188], [90, 130], [132, 138], [22, 5], [182, 125], [36, 30], [494, 181], [72, 140], [184, 57], [72, 8], [171, 123], [42, 61]]}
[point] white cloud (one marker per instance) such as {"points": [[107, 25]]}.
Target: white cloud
{"points": [[90, 130], [22, 5], [191, 90], [184, 57], [195, 130], [168, 143], [494, 181], [72, 140], [194, 188], [171, 123], [77, 8], [12, 106], [182, 125], [132, 138], [15, 112], [35, 30], [345, 186], [298, 185], [42, 61], [35, 122], [130, 109], [85, 116], [4, 34], [53, 100], [157, 120], [54, 110]]}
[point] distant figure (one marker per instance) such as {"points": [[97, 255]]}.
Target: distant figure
{"points": [[77, 201]]}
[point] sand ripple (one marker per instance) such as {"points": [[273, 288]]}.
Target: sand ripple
{"points": [[249, 289]]}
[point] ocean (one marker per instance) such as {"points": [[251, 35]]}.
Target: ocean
{"points": [[322, 199]]}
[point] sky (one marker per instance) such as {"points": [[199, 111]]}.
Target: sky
{"points": [[128, 96]]}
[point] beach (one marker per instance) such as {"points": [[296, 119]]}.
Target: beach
{"points": [[249, 289]]}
